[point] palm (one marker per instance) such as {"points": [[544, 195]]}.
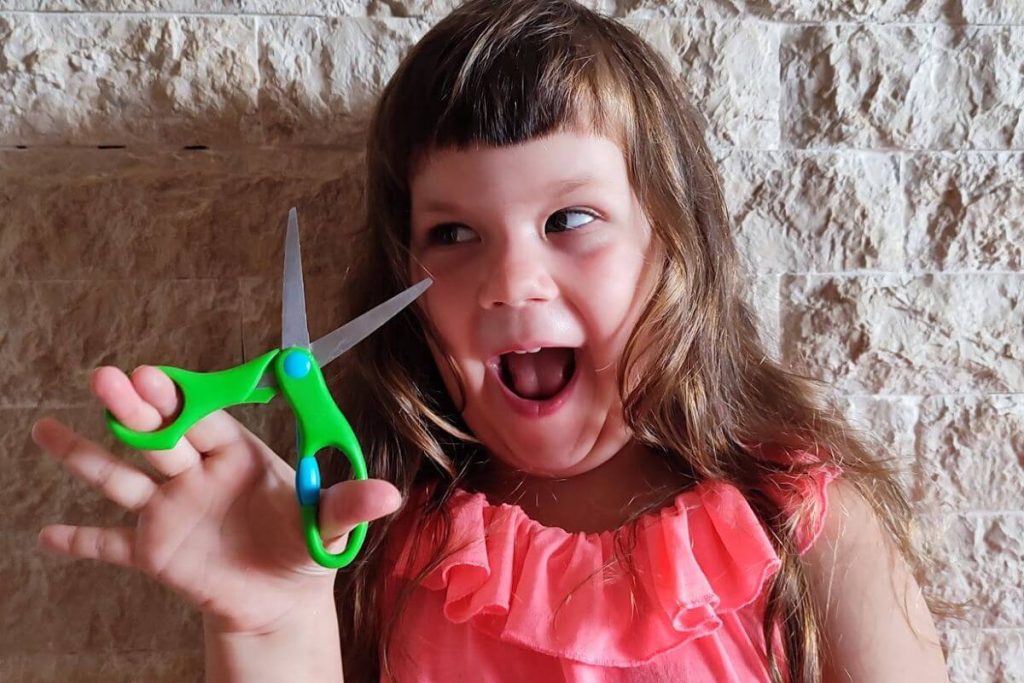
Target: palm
{"points": [[236, 520]]}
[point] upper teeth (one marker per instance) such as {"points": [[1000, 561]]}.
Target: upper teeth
{"points": [[529, 351]]}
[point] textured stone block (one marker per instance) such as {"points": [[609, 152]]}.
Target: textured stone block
{"points": [[937, 11], [729, 70], [764, 301], [977, 655], [55, 333], [980, 563], [910, 87], [432, 8], [887, 426], [970, 452], [98, 214], [64, 605], [320, 77], [157, 666], [994, 12], [788, 10], [798, 212], [118, 80], [181, 6], [322, 8], [965, 211], [907, 334]]}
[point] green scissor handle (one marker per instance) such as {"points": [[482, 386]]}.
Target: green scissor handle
{"points": [[320, 425], [202, 393]]}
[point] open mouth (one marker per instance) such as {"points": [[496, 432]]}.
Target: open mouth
{"points": [[537, 375]]}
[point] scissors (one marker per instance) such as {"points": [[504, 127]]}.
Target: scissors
{"points": [[294, 370]]}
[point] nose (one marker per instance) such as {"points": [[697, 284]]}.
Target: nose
{"points": [[517, 274]]}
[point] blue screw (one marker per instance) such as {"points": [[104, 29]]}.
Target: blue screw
{"points": [[297, 365]]}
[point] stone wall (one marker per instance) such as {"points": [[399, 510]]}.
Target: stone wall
{"points": [[873, 156]]}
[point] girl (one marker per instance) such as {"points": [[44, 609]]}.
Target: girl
{"points": [[598, 473]]}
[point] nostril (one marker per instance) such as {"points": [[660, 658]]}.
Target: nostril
{"points": [[517, 285]]}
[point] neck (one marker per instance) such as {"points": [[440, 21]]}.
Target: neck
{"points": [[601, 499]]}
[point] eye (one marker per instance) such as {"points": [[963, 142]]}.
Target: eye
{"points": [[567, 220], [449, 233]]}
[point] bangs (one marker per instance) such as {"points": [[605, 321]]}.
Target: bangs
{"points": [[499, 87]]}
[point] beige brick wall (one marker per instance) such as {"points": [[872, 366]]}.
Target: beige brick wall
{"points": [[873, 155]]}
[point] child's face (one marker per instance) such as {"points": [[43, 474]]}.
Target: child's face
{"points": [[520, 261]]}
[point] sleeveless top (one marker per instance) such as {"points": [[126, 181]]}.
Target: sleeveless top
{"points": [[519, 601]]}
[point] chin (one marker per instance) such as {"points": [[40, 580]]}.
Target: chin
{"points": [[552, 459]]}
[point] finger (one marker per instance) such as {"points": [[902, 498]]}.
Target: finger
{"points": [[117, 393], [215, 432], [158, 390], [92, 543], [121, 483], [212, 433], [346, 504], [137, 412]]}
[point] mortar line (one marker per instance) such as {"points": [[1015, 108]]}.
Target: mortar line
{"points": [[865, 21]]}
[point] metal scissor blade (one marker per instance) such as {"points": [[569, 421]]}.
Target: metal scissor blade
{"points": [[333, 344], [294, 331]]}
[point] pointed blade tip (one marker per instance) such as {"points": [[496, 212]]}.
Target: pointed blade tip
{"points": [[294, 330], [331, 345]]}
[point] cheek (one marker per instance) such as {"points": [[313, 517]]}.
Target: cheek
{"points": [[613, 289], [449, 344], [455, 276], [449, 300], [450, 315]]}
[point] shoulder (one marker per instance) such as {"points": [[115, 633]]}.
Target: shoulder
{"points": [[875, 623]]}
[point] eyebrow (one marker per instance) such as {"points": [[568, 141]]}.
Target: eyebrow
{"points": [[557, 188]]}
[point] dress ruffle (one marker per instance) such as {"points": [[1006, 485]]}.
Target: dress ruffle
{"points": [[549, 590]]}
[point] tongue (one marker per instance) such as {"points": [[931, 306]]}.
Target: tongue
{"points": [[539, 375]]}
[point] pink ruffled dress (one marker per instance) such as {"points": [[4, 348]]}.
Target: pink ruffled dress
{"points": [[519, 601]]}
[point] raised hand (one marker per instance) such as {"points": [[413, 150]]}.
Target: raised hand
{"points": [[220, 524]]}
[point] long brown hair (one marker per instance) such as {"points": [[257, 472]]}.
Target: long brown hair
{"points": [[502, 72]]}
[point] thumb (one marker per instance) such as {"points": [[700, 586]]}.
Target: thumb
{"points": [[350, 502]]}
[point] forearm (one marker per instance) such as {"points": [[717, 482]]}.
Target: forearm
{"points": [[306, 650]]}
